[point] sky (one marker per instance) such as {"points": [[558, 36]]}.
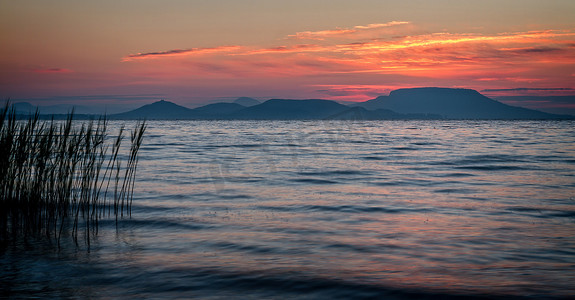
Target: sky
{"points": [[126, 53]]}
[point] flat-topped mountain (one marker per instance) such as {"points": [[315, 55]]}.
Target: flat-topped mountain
{"points": [[451, 104]]}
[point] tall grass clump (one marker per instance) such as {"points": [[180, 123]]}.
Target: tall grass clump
{"points": [[61, 177]]}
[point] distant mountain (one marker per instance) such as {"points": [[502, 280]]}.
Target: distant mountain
{"points": [[216, 110], [451, 104], [417, 103], [360, 113], [157, 111], [23, 108], [27, 108], [246, 101], [567, 103], [282, 109]]}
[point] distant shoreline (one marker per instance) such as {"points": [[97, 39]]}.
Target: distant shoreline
{"points": [[431, 103]]}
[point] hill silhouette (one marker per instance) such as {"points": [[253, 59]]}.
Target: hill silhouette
{"points": [[215, 111], [27, 108], [159, 110], [565, 102], [246, 101], [282, 109], [416, 103], [24, 108], [451, 104], [360, 113]]}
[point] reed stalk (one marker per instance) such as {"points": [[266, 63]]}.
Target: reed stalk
{"points": [[55, 177]]}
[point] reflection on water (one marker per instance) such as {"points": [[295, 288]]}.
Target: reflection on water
{"points": [[331, 210]]}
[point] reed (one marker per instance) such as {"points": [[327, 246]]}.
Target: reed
{"points": [[61, 177]]}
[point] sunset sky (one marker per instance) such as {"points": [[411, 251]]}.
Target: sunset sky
{"points": [[133, 52]]}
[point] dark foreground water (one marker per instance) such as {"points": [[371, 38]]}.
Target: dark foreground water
{"points": [[330, 210]]}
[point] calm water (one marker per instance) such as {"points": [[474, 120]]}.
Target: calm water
{"points": [[330, 210]]}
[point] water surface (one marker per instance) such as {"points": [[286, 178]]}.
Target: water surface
{"points": [[330, 210]]}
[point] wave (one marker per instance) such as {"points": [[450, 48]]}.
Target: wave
{"points": [[494, 168], [405, 148], [313, 181], [456, 175], [485, 158], [458, 191], [220, 283], [541, 212], [256, 249], [335, 172], [374, 158], [155, 223], [345, 209], [377, 249]]}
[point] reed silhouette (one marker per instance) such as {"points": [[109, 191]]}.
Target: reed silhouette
{"points": [[61, 177]]}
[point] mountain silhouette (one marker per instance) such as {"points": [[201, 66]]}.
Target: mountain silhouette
{"points": [[565, 103], [416, 103], [216, 110], [24, 108], [360, 113], [27, 108], [160, 110], [246, 101], [282, 109], [451, 104]]}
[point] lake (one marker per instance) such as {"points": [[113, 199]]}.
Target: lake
{"points": [[329, 210]]}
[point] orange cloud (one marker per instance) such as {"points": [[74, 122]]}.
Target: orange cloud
{"points": [[320, 35], [380, 25], [287, 49], [325, 34], [543, 58], [181, 52], [355, 92]]}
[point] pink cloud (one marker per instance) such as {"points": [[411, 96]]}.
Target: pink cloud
{"points": [[181, 52], [301, 48], [355, 92], [325, 34], [52, 71], [381, 25], [542, 58]]}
